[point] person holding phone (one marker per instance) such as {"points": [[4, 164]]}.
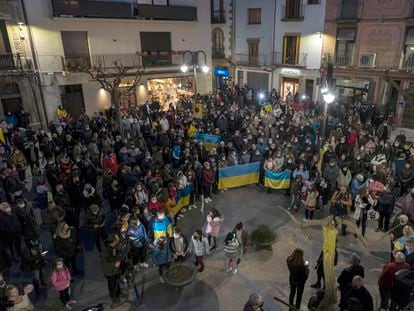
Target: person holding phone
{"points": [[33, 261], [298, 274]]}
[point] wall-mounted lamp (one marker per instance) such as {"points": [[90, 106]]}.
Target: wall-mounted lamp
{"points": [[21, 32]]}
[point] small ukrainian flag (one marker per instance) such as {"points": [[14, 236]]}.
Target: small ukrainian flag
{"points": [[182, 198], [277, 180], [210, 141]]}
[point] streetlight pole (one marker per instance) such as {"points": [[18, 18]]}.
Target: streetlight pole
{"points": [[194, 63]]}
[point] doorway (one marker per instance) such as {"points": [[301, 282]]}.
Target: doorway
{"points": [[289, 85], [71, 97], [309, 88]]}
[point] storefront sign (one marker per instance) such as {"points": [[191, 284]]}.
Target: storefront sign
{"points": [[291, 71], [222, 72]]}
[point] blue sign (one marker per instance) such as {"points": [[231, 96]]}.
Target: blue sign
{"points": [[222, 72]]}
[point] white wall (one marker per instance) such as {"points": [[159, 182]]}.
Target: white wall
{"points": [[108, 36], [243, 30], [311, 42]]}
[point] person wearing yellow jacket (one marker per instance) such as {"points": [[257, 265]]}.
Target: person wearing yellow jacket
{"points": [[61, 112]]}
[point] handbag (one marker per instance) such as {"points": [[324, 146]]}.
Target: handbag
{"points": [[373, 214]]}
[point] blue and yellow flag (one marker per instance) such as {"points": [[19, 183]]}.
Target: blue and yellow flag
{"points": [[210, 141], [182, 198], [239, 175], [277, 180], [2, 136], [198, 111]]}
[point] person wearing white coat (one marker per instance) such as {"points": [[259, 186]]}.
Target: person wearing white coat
{"points": [[200, 247]]}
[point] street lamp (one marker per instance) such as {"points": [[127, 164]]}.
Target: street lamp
{"points": [[328, 98], [261, 96], [194, 62]]}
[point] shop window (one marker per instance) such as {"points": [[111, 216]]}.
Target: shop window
{"points": [[255, 16], [218, 43], [158, 44], [76, 49], [291, 46], [253, 53], [344, 46]]}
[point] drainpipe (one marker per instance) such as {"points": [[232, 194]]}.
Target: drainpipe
{"points": [[273, 47], [36, 65]]}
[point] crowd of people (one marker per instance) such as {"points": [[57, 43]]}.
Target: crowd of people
{"points": [[59, 180]]}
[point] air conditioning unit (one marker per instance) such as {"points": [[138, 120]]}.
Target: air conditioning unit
{"points": [[367, 60]]}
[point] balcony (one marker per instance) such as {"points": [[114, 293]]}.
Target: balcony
{"points": [[218, 53], [77, 62], [348, 10], [14, 62], [7, 62], [166, 12], [300, 61], [218, 17], [407, 63], [122, 10], [343, 60], [247, 60], [292, 12]]}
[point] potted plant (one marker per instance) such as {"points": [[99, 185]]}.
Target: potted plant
{"points": [[180, 274], [263, 237]]}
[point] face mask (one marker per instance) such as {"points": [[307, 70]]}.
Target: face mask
{"points": [[358, 158], [8, 210], [59, 265], [176, 235], [289, 161], [342, 141], [21, 205]]}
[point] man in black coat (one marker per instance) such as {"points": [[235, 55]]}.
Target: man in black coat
{"points": [[346, 277], [357, 292], [386, 202], [10, 230]]}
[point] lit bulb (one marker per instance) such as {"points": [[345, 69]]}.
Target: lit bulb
{"points": [[329, 98], [261, 95], [184, 68], [205, 69]]}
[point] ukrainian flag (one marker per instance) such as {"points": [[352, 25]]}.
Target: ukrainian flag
{"points": [[198, 111], [277, 180], [182, 198], [239, 175], [210, 141], [268, 108]]}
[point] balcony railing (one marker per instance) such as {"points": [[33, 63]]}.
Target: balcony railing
{"points": [[292, 12], [218, 17], [407, 63], [343, 60], [218, 53], [122, 10], [280, 59], [348, 9], [248, 60], [77, 62], [11, 62]]}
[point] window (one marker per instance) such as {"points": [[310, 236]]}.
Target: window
{"points": [[6, 59], [291, 49], [76, 49], [349, 9], [156, 42], [311, 2], [253, 53], [255, 16], [345, 39], [409, 49], [218, 43], [293, 9], [240, 78]]}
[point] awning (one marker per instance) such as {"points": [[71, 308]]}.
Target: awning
{"points": [[410, 36], [346, 34]]}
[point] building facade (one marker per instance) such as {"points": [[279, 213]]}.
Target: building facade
{"points": [[278, 44], [69, 35], [20, 86], [364, 40]]}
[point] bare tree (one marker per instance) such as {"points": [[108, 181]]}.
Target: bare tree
{"points": [[110, 76]]}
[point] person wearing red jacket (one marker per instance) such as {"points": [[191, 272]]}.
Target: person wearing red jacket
{"points": [[386, 279], [154, 205], [208, 180], [110, 161]]}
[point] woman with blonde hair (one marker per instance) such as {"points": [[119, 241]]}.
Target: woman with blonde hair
{"points": [[20, 302], [408, 234], [298, 274]]}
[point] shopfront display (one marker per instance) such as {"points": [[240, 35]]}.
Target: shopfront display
{"points": [[170, 90], [289, 85]]}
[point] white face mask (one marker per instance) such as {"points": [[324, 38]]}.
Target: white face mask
{"points": [[59, 265]]}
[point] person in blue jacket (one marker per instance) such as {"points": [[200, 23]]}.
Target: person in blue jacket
{"points": [[139, 239], [161, 255]]}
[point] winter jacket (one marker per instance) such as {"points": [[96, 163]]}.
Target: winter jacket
{"points": [[201, 247], [9, 225], [61, 279], [208, 177], [139, 236], [32, 260], [172, 244], [362, 294], [386, 202], [348, 274], [161, 256], [232, 249], [386, 278], [66, 247], [356, 187], [344, 179], [52, 217], [108, 260], [298, 274], [213, 225], [92, 219]]}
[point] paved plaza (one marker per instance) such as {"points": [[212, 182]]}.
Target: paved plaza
{"points": [[263, 271]]}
